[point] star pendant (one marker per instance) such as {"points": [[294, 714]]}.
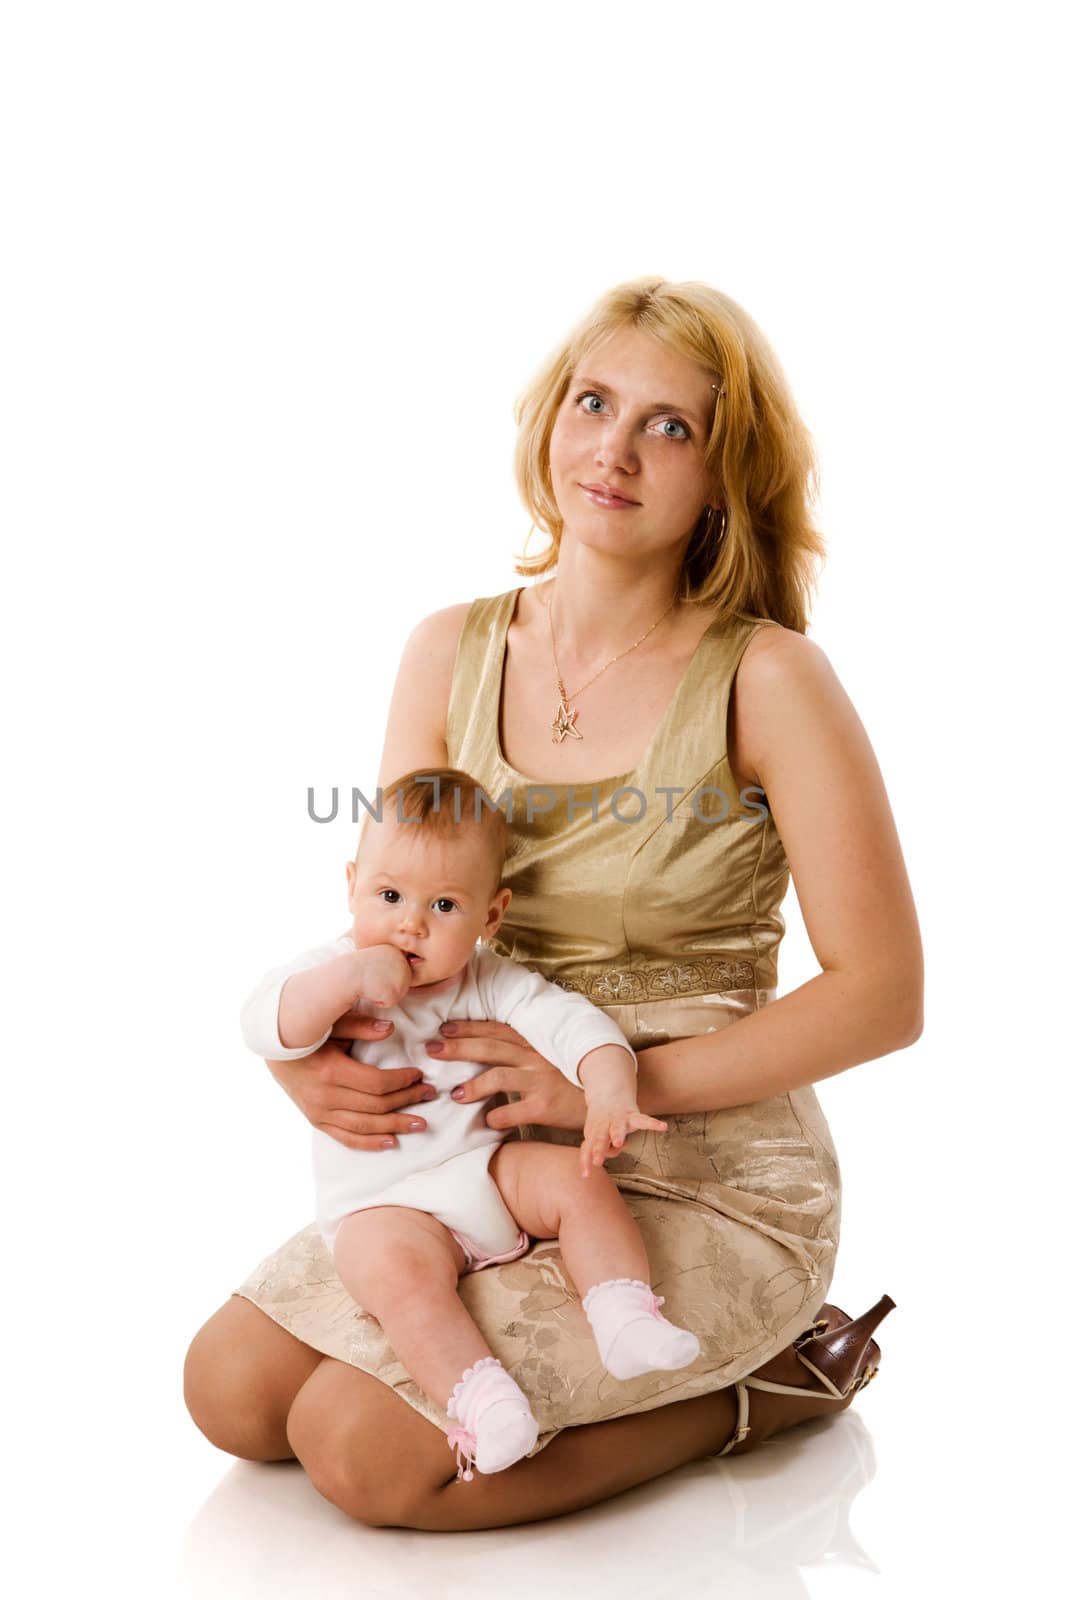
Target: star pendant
{"points": [[564, 724]]}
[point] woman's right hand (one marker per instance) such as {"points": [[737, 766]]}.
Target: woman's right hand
{"points": [[358, 1105]]}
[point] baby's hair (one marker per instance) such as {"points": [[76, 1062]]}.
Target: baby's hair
{"points": [[449, 803]]}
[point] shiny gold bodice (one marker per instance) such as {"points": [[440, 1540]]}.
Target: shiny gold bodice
{"points": [[682, 896]]}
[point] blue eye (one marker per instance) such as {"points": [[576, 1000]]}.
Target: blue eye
{"points": [[675, 422]]}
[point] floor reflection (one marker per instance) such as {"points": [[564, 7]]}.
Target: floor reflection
{"points": [[726, 1528]]}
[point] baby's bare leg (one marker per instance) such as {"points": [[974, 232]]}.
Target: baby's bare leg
{"points": [[603, 1251], [545, 1192], [403, 1266]]}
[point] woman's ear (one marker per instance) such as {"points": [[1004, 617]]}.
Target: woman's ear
{"points": [[497, 906]]}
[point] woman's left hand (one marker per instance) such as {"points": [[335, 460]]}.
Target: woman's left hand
{"points": [[514, 1066]]}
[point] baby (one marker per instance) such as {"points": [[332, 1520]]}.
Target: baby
{"points": [[405, 1223]]}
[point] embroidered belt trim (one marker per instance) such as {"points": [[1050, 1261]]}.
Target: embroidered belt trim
{"points": [[631, 986]]}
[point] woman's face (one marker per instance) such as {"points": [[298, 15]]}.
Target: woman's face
{"points": [[635, 420]]}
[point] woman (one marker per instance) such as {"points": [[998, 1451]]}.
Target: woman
{"points": [[661, 451]]}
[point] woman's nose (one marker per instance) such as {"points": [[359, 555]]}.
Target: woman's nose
{"points": [[616, 449]]}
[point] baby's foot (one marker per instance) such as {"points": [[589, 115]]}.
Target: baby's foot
{"points": [[494, 1417], [632, 1334]]}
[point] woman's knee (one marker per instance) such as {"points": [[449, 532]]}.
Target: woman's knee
{"points": [[242, 1372], [365, 1449]]}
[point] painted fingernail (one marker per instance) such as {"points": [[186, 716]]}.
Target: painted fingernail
{"points": [[387, 1144], [380, 1027], [457, 1094], [416, 1125], [448, 1027], [431, 1094], [435, 1047]]}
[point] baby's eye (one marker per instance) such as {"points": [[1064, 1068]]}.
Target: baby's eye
{"points": [[443, 903], [384, 894]]}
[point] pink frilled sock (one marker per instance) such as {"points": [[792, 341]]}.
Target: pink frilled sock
{"points": [[495, 1424], [632, 1334]]}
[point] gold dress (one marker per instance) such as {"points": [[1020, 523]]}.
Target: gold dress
{"points": [[670, 921]]}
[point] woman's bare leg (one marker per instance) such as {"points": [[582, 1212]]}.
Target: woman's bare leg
{"points": [[242, 1373], [382, 1463]]}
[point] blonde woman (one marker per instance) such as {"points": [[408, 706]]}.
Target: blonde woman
{"points": [[672, 747]]}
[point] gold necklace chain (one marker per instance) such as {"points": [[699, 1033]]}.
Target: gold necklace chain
{"points": [[563, 727]]}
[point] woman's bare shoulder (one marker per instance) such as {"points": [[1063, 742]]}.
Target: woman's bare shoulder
{"points": [[780, 671], [776, 649], [440, 630], [418, 712]]}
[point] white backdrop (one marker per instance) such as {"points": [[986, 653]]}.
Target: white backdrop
{"points": [[274, 276]]}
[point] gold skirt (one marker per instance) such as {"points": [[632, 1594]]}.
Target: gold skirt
{"points": [[740, 1213]]}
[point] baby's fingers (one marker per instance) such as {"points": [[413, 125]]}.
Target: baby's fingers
{"points": [[615, 1133], [639, 1120], [594, 1149]]}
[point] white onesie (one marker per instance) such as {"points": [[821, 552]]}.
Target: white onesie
{"points": [[443, 1171]]}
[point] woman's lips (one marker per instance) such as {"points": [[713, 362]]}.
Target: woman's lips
{"points": [[611, 502]]}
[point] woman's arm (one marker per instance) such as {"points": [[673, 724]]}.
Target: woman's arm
{"points": [[800, 734], [415, 734]]}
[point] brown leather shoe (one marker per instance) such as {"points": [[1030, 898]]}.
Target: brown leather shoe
{"points": [[827, 1365]]}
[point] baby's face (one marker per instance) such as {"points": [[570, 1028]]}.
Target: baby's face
{"points": [[432, 898]]}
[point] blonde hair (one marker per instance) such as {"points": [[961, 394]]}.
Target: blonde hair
{"points": [[760, 558], [449, 803]]}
